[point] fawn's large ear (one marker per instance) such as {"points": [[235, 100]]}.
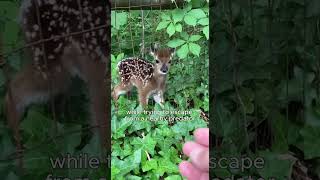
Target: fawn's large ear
{"points": [[154, 48]]}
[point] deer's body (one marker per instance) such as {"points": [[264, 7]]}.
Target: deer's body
{"points": [[57, 60], [149, 78]]}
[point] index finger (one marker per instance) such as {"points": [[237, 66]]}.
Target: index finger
{"points": [[201, 136]]}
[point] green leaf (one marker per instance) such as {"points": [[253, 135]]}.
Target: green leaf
{"points": [[162, 25], [173, 177], [120, 57], [184, 35], [121, 127], [36, 124], [128, 164], [183, 51], [204, 21], [171, 29], [118, 19], [166, 166], [130, 177], [194, 49], [311, 142], [150, 165], [205, 31], [72, 140], [275, 166], [197, 13], [165, 17], [146, 144], [178, 27], [194, 38], [177, 15], [175, 43], [190, 20]]}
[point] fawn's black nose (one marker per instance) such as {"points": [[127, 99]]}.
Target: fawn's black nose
{"points": [[164, 69]]}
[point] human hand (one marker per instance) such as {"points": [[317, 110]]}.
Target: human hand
{"points": [[198, 151]]}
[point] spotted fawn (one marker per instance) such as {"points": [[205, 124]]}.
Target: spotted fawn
{"points": [[83, 51], [149, 78]]}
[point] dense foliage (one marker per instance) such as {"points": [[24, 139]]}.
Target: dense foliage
{"points": [[266, 85], [152, 149]]}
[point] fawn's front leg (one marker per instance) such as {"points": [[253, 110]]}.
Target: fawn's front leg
{"points": [[158, 98], [28, 87], [143, 97], [95, 76]]}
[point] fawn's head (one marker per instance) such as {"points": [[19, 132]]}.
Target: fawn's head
{"points": [[162, 58]]}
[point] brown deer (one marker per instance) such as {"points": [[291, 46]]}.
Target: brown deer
{"points": [[69, 38], [149, 78]]}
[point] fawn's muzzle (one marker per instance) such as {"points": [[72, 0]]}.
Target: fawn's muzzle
{"points": [[164, 69]]}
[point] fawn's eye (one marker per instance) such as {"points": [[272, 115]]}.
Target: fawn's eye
{"points": [[157, 61], [169, 61]]}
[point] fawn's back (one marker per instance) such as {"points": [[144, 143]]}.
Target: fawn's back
{"points": [[44, 19]]}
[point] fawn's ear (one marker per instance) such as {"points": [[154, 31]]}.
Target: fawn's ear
{"points": [[154, 48], [172, 51]]}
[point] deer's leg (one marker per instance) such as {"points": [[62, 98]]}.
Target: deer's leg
{"points": [[28, 87], [93, 72], [143, 97], [13, 116], [121, 89]]}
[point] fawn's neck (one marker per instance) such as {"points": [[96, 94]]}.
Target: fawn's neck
{"points": [[160, 79]]}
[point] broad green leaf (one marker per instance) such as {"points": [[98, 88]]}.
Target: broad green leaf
{"points": [[274, 166], [131, 177], [184, 35], [204, 21], [118, 19], [175, 43], [36, 124], [178, 27], [311, 142], [171, 29], [162, 25], [146, 143], [113, 59], [121, 127], [194, 49], [166, 166], [205, 31], [190, 20], [120, 57], [194, 38], [72, 140], [165, 17], [197, 13], [177, 15], [150, 165], [183, 51]]}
